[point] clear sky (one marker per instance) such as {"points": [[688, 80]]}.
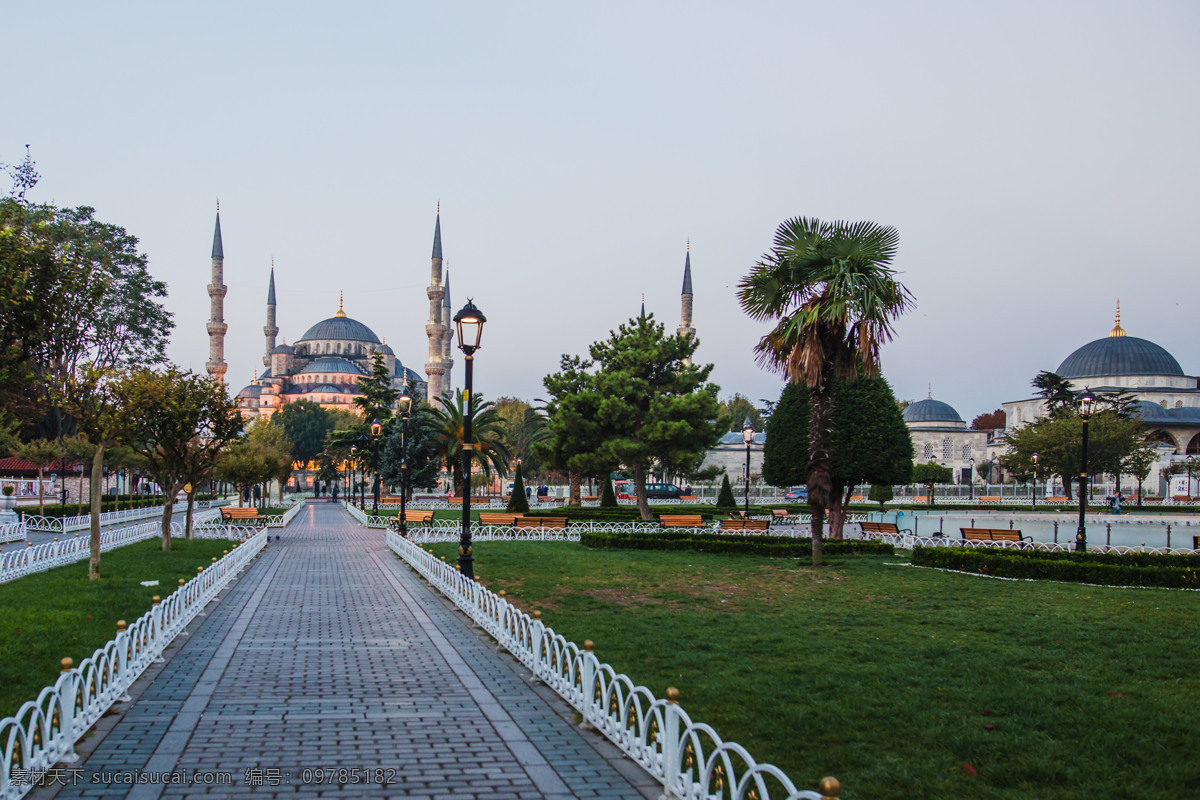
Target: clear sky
{"points": [[1040, 160]]}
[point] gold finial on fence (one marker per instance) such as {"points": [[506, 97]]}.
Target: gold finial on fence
{"points": [[214, 559], [502, 594], [537, 615], [181, 581], [672, 695], [30, 544], [66, 664], [588, 645], [56, 538], [155, 600], [829, 788], [199, 570], [224, 552], [120, 626]]}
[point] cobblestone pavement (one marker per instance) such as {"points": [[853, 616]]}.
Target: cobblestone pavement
{"points": [[330, 669]]}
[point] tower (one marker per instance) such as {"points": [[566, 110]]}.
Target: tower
{"points": [[435, 329], [271, 330], [448, 336], [216, 365], [685, 316]]}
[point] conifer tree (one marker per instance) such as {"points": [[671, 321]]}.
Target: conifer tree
{"points": [[518, 503], [608, 498], [725, 498]]}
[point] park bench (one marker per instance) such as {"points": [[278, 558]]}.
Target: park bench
{"points": [[418, 517], [1062, 499], [687, 498], [781, 514], [242, 514], [681, 521], [1182, 498], [590, 498], [486, 518], [989, 498], [739, 524], [557, 523], [882, 527], [1151, 499], [454, 501], [993, 535]]}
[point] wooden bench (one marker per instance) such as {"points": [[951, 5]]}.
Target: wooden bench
{"points": [[1182, 498], [242, 514], [1062, 499], [411, 517], [509, 520], [687, 498], [681, 521], [1151, 499], [989, 498], [556, 523], [780, 514], [738, 524], [993, 535], [882, 527], [454, 501], [589, 498]]}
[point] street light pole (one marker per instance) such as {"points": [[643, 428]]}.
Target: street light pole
{"points": [[405, 404], [1189, 466], [971, 478], [469, 321], [748, 438], [1086, 400], [376, 429], [929, 500], [1035, 480]]}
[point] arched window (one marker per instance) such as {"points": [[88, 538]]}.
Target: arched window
{"points": [[947, 449], [1179, 404], [966, 451], [1162, 437], [928, 450], [1193, 447], [1162, 403]]}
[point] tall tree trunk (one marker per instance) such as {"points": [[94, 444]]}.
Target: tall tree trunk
{"points": [[191, 498], [79, 500], [41, 494], [168, 510], [639, 483], [576, 498], [97, 471], [820, 437], [837, 511]]}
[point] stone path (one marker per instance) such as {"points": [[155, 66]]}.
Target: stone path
{"points": [[331, 670]]}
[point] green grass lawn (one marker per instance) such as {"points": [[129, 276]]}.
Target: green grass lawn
{"points": [[58, 613], [902, 682]]}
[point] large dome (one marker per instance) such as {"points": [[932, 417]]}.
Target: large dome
{"points": [[930, 410], [331, 364], [340, 329], [1119, 355]]}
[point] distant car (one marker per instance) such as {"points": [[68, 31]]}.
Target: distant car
{"points": [[798, 493], [663, 491]]}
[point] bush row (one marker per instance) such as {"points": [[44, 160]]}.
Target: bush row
{"points": [[780, 546], [106, 504], [631, 513], [1107, 569]]}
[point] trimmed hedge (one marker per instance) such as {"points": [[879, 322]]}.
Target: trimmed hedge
{"points": [[106, 504], [760, 545], [1107, 569], [631, 513]]}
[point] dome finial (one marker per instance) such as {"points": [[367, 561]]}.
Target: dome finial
{"points": [[1117, 329], [340, 312], [254, 380], [930, 395]]}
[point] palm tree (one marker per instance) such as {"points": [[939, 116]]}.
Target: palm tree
{"points": [[487, 433], [832, 289]]}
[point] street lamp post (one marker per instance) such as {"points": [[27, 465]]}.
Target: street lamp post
{"points": [[404, 401], [971, 478], [376, 430], [363, 441], [1086, 401], [469, 322], [748, 438], [929, 500], [1035, 480], [353, 474], [1189, 466]]}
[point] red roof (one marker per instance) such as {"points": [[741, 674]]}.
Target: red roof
{"points": [[13, 465]]}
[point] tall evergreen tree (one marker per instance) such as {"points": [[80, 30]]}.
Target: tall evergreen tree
{"points": [[725, 498], [518, 503]]}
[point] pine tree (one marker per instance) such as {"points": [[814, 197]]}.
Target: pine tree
{"points": [[608, 498], [518, 503], [725, 498]]}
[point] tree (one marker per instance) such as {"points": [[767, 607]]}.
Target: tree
{"points": [[735, 410], [880, 493], [835, 296], [988, 422], [41, 453], [518, 503], [524, 428], [653, 405], [1138, 464], [1056, 391], [378, 398], [180, 423], [725, 498], [928, 474], [608, 498], [871, 443], [573, 434], [424, 443], [487, 436], [306, 424], [254, 458]]}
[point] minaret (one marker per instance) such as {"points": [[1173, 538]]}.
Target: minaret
{"points": [[436, 327], [448, 337], [685, 316], [271, 330], [216, 365]]}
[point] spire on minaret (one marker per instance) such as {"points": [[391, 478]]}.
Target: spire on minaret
{"points": [[216, 327], [448, 336], [1117, 329], [437, 233], [437, 326], [685, 301], [270, 329], [643, 314]]}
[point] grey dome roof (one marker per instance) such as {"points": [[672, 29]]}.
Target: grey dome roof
{"points": [[1152, 412], [328, 388], [253, 390], [930, 410], [1119, 355], [285, 348], [331, 364], [386, 349], [340, 328]]}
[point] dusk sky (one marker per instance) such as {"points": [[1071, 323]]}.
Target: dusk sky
{"points": [[1041, 160]]}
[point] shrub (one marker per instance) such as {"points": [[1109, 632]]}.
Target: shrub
{"points": [[880, 493], [725, 497], [518, 503], [762, 545], [1108, 569], [608, 498]]}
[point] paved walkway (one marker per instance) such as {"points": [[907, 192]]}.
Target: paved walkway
{"points": [[330, 669]]}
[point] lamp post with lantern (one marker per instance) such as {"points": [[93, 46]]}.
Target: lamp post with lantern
{"points": [[1189, 460], [748, 438], [469, 322], [376, 430], [404, 403], [971, 477], [1086, 401], [1035, 480]]}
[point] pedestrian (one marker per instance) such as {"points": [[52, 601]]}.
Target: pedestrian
{"points": [[1117, 502]]}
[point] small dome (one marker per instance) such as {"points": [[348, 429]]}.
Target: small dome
{"points": [[327, 388], [284, 348], [930, 410], [340, 329], [1151, 412], [331, 364], [253, 390], [1119, 355], [386, 349]]}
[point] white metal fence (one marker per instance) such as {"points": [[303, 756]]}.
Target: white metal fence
{"points": [[689, 758], [44, 731], [84, 521], [12, 532], [906, 541]]}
